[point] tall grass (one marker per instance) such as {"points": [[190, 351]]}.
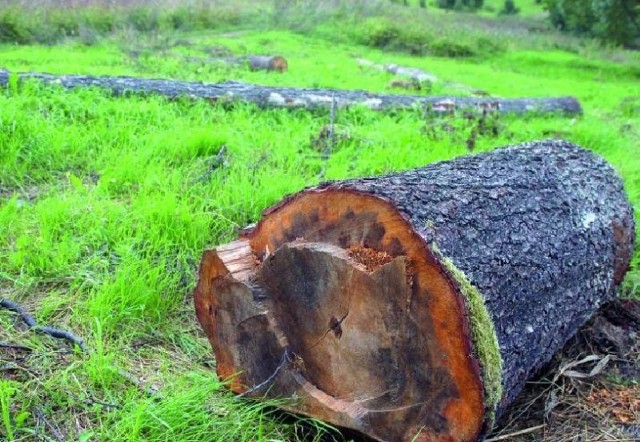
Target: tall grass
{"points": [[376, 23]]}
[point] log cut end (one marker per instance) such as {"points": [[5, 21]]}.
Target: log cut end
{"points": [[268, 63], [336, 303]]}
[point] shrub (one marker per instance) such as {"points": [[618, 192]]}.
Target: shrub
{"points": [[615, 21], [380, 33], [452, 49], [14, 27], [460, 4], [143, 19], [509, 8]]}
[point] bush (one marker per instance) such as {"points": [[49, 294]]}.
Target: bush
{"points": [[14, 27], [460, 4], [380, 33], [452, 49], [509, 8], [615, 21]]}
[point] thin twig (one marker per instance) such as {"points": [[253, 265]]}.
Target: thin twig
{"points": [[148, 390], [15, 346], [329, 141], [16, 308], [60, 334], [92, 400], [331, 138], [517, 433], [44, 329], [54, 431]]}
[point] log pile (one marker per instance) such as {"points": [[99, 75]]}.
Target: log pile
{"points": [[287, 97], [415, 306]]}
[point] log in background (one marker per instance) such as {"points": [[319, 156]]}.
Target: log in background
{"points": [[543, 230], [289, 97]]}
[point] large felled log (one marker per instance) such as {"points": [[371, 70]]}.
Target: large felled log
{"points": [[414, 306], [301, 98]]}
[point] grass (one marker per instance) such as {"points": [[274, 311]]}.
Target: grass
{"points": [[106, 203]]}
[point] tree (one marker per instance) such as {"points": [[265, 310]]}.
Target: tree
{"points": [[614, 21], [509, 8]]}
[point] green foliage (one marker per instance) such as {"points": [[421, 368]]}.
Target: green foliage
{"points": [[615, 21], [460, 4], [14, 26], [48, 26], [509, 8], [418, 40]]}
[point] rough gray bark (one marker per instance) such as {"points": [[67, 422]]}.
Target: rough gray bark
{"points": [[544, 230], [266, 96]]}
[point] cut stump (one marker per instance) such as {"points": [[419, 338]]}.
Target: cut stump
{"points": [[415, 306]]}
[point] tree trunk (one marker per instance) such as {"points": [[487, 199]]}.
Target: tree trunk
{"points": [[267, 96], [414, 306]]}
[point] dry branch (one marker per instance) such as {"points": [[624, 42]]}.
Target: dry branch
{"points": [[44, 329], [415, 306], [267, 96]]}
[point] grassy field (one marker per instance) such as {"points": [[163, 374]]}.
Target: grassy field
{"points": [[107, 203]]}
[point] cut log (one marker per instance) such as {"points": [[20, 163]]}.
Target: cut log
{"points": [[413, 73], [418, 77], [266, 96], [268, 63], [254, 62], [415, 306]]}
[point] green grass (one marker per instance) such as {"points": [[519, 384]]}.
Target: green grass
{"points": [[107, 203]]}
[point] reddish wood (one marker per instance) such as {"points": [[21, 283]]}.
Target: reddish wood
{"points": [[340, 326], [349, 300]]}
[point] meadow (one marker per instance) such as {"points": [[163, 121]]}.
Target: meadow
{"points": [[107, 203]]}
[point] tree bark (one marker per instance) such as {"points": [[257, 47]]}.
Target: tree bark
{"points": [[414, 306], [266, 96]]}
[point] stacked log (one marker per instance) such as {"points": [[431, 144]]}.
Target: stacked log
{"points": [[415, 306]]}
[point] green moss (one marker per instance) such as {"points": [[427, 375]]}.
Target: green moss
{"points": [[484, 338]]}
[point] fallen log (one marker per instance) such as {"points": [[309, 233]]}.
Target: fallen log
{"points": [[418, 77], [413, 73], [267, 63], [267, 96], [254, 62], [415, 306]]}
